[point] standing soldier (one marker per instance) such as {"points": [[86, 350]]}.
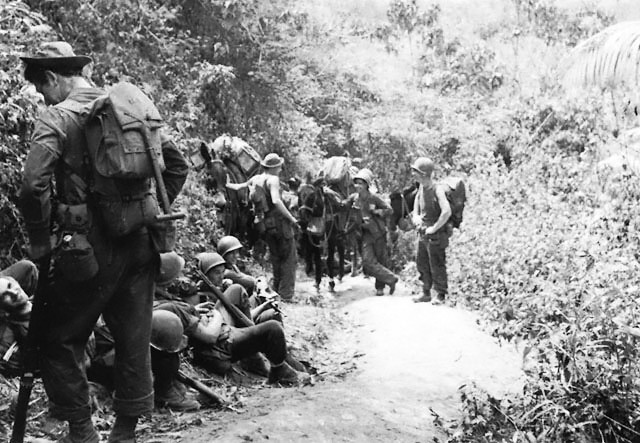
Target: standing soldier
{"points": [[280, 225], [431, 211], [113, 276], [373, 210]]}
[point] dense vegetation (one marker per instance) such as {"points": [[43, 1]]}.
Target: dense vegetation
{"points": [[548, 249]]}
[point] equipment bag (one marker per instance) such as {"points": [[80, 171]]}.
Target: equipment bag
{"points": [[456, 193], [123, 137], [122, 126]]}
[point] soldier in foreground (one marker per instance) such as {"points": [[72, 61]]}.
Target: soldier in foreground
{"points": [[111, 255]]}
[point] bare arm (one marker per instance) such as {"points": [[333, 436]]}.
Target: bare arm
{"points": [[445, 211]]}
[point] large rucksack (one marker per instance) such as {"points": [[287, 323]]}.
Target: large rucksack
{"points": [[124, 153], [122, 125], [455, 191]]}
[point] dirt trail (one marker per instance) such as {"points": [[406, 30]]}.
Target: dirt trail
{"points": [[415, 356]]}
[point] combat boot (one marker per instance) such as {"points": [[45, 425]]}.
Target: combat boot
{"points": [[81, 431], [440, 298], [255, 364], [124, 430], [284, 375], [176, 398]]}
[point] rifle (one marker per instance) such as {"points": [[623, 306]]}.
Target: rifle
{"points": [[30, 351], [200, 387], [233, 309]]}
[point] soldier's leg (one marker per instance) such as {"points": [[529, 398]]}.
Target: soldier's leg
{"points": [[273, 242], [267, 338], [287, 286], [370, 249], [423, 266], [237, 296], [128, 316], [438, 263]]}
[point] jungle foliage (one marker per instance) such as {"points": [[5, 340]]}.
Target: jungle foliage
{"points": [[548, 250]]}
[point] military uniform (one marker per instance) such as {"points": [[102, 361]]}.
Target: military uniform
{"points": [[375, 257], [122, 289], [280, 237], [431, 248]]}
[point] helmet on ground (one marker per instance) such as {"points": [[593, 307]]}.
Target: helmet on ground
{"points": [[227, 244], [171, 265], [365, 175], [423, 165], [208, 260], [167, 332]]}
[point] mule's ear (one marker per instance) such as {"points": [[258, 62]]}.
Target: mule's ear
{"points": [[205, 153]]}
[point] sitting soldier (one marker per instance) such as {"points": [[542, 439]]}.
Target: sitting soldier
{"points": [[17, 283], [216, 340], [263, 303]]}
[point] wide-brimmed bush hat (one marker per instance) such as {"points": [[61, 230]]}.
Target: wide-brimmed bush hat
{"points": [[272, 160], [59, 54]]}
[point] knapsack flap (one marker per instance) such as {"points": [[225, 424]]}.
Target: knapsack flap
{"points": [[121, 127]]}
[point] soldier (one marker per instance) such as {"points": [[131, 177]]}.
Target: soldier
{"points": [[17, 283], [373, 210], [431, 212], [280, 225], [261, 308], [114, 276], [218, 342]]}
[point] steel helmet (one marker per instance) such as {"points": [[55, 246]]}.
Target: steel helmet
{"points": [[208, 260], [167, 332], [227, 244], [366, 175], [171, 265], [423, 165]]}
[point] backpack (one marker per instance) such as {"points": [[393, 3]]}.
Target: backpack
{"points": [[122, 131], [455, 191], [121, 128], [259, 198]]}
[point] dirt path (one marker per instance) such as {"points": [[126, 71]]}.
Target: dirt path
{"points": [[414, 358]]}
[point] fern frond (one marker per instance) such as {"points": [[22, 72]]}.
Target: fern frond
{"points": [[606, 59]]}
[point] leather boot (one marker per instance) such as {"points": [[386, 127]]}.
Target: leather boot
{"points": [[81, 431], [284, 375], [176, 397], [124, 430], [256, 364]]}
